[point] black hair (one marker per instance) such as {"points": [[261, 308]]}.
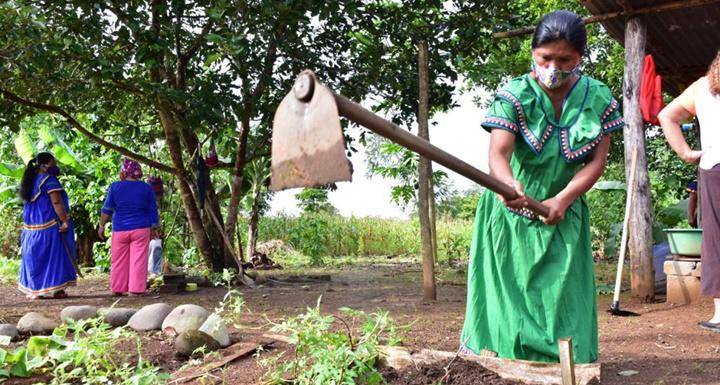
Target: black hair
{"points": [[31, 170], [561, 25]]}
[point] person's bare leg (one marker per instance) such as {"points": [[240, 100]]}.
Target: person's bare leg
{"points": [[716, 318]]}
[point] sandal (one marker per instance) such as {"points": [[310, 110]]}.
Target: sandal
{"points": [[710, 326]]}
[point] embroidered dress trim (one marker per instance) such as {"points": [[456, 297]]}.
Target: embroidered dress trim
{"points": [[34, 198], [26, 290], [523, 212], [42, 226], [535, 144], [502, 123]]}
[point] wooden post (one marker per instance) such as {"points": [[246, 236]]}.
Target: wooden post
{"points": [[640, 238], [567, 362], [425, 178]]}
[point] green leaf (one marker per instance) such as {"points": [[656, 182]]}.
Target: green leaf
{"points": [[25, 146], [62, 152], [12, 170]]}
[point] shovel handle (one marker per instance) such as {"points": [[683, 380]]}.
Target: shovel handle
{"points": [[393, 132]]}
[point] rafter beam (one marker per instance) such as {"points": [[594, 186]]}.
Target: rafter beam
{"points": [[611, 15]]}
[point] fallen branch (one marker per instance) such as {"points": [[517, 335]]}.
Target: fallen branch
{"points": [[241, 353]]}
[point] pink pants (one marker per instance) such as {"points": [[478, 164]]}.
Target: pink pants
{"points": [[129, 260]]}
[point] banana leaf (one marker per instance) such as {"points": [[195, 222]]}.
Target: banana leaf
{"points": [[25, 146]]}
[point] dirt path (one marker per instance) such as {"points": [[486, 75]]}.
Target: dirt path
{"points": [[663, 345]]}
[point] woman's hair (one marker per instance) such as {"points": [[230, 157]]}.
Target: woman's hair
{"points": [[561, 25], [713, 75], [31, 170]]}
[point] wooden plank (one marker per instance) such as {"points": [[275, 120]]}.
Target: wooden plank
{"points": [[528, 372], [567, 363], [640, 238], [243, 349]]}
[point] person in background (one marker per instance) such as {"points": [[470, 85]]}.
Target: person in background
{"points": [[702, 99], [155, 259], [48, 236], [692, 204], [530, 278], [132, 206]]}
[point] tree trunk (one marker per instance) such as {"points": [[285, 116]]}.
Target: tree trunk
{"points": [[237, 179], [433, 215], [425, 180], [640, 239], [221, 256], [192, 213], [84, 248], [254, 219]]}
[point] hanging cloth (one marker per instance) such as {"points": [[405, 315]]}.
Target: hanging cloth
{"points": [[651, 100], [203, 178], [156, 182], [211, 160]]}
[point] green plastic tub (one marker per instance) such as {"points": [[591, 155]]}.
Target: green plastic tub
{"points": [[684, 241]]}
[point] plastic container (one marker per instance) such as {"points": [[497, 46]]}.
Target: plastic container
{"points": [[685, 241]]}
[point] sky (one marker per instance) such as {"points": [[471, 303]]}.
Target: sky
{"points": [[458, 132]]}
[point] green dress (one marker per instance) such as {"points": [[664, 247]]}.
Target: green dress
{"points": [[530, 284]]}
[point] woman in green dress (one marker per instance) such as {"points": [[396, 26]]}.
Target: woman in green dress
{"points": [[531, 280]]}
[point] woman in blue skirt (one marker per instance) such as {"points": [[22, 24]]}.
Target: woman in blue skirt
{"points": [[48, 236]]}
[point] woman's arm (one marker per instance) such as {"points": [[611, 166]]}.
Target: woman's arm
{"points": [[106, 212], [59, 207], [579, 184], [670, 117], [502, 144]]}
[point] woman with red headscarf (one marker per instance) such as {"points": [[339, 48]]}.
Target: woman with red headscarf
{"points": [[131, 205]]}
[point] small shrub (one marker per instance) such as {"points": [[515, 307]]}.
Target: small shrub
{"points": [[327, 351]]}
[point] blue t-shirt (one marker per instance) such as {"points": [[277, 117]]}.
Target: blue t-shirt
{"points": [[132, 205]]}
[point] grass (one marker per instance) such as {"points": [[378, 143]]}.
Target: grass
{"points": [[297, 263], [9, 270]]}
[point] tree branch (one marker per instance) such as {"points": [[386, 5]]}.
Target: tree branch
{"points": [[184, 58], [74, 123]]}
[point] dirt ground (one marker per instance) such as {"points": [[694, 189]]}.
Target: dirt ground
{"points": [[663, 345]]}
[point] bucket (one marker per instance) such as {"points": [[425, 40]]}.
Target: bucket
{"points": [[685, 241]]}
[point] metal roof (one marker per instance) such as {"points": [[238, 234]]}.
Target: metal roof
{"points": [[683, 42]]}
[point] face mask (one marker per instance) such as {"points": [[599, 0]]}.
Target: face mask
{"points": [[552, 77], [53, 170]]}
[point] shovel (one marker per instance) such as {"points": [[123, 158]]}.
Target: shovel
{"points": [[308, 147], [615, 306]]}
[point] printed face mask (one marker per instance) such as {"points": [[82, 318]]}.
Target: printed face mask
{"points": [[553, 77]]}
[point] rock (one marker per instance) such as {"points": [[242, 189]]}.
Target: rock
{"points": [[150, 317], [628, 373], [36, 323], [117, 316], [9, 330], [187, 342], [78, 313], [184, 318], [215, 326]]}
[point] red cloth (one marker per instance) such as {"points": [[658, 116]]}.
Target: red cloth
{"points": [[651, 100]]}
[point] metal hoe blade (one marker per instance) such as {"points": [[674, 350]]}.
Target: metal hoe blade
{"points": [[308, 147]]}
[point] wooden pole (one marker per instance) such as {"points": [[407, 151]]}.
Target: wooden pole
{"points": [[640, 237], [611, 15], [425, 175], [567, 362]]}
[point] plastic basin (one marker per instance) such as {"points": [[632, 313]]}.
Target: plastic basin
{"points": [[684, 241]]}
